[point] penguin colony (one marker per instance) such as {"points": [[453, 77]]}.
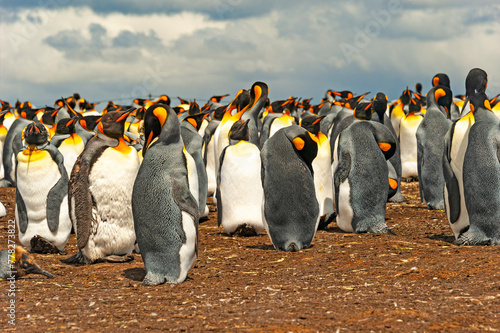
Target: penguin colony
{"points": [[136, 177]]}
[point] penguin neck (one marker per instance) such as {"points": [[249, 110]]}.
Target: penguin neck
{"points": [[170, 132], [481, 114]]}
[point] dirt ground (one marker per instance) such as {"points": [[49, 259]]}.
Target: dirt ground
{"points": [[416, 280]]}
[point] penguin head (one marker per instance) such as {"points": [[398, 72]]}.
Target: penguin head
{"points": [[164, 99], [239, 131], [139, 114], [418, 88], [475, 82], [217, 98], [89, 123], [66, 126], [414, 105], [28, 113], [494, 101], [112, 124], [49, 115], [195, 116], [442, 97], [405, 96], [258, 95], [312, 123], [363, 111], [35, 134], [354, 101], [24, 264], [304, 143], [379, 105], [441, 79], [479, 100], [218, 113], [157, 115]]}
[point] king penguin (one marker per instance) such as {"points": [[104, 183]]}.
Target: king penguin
{"points": [[481, 175], [165, 211], [22, 264], [408, 141], [68, 142], [290, 207], [322, 167], [456, 142], [41, 193], [430, 146], [100, 194], [361, 176], [240, 194]]}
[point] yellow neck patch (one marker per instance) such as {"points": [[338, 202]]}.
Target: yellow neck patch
{"points": [[32, 155], [122, 147]]}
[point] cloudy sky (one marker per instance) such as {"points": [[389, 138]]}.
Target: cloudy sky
{"points": [[123, 49]]}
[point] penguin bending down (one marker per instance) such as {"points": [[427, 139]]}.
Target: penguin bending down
{"points": [[41, 193], [290, 207], [165, 211], [323, 174], [481, 176], [23, 264], [361, 176], [430, 146], [240, 194], [100, 195]]}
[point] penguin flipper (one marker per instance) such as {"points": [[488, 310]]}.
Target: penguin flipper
{"points": [[79, 193], [451, 183], [217, 191], [58, 191], [58, 139], [186, 202], [420, 163], [21, 212]]}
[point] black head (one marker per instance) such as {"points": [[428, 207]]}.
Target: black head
{"points": [[312, 123], [304, 143], [476, 81], [219, 112], [354, 101], [112, 124], [441, 79], [239, 130], [182, 100], [414, 105], [154, 119], [66, 126], [49, 116], [242, 99], [363, 111], [26, 265], [164, 99], [442, 96], [380, 103], [479, 100], [217, 98], [35, 134], [418, 88], [89, 122], [25, 105]]}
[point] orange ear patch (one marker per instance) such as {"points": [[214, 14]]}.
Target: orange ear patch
{"points": [[435, 81], [439, 93], [384, 146], [393, 183], [299, 143], [161, 114], [487, 104]]}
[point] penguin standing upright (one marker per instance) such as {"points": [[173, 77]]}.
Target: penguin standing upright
{"points": [[456, 142], [209, 149], [481, 175], [323, 174], [165, 211], [430, 146], [290, 207], [41, 193], [68, 142], [361, 176], [193, 143], [240, 194], [13, 143], [100, 194], [408, 141]]}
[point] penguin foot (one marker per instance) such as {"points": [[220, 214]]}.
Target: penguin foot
{"points": [[435, 205], [153, 280], [410, 179], [292, 247], [6, 183], [325, 220], [469, 238], [382, 230], [245, 230], [77, 259], [397, 198], [41, 245], [116, 258]]}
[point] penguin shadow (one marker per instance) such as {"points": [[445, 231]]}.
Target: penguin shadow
{"points": [[265, 247], [135, 274], [444, 237], [334, 230]]}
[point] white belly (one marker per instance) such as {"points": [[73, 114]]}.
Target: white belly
{"points": [[241, 188], [192, 175], [70, 152], [34, 181], [211, 175], [187, 252], [323, 178], [111, 187], [344, 211], [408, 145]]}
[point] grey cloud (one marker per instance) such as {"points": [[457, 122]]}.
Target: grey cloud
{"points": [[128, 39]]}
